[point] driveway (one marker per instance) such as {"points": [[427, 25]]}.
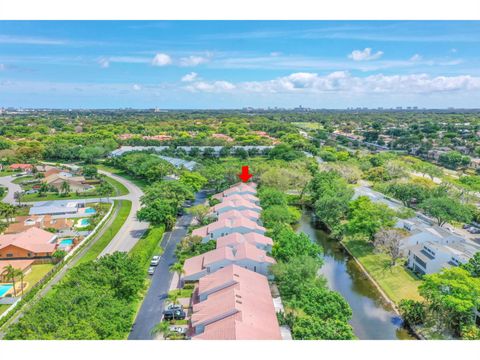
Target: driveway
{"points": [[150, 313], [6, 181]]}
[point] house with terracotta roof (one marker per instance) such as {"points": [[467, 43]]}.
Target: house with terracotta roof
{"points": [[232, 240], [238, 189], [21, 167], [236, 197], [23, 223], [227, 226], [245, 255], [232, 214], [240, 204], [234, 303], [76, 183], [33, 243]]}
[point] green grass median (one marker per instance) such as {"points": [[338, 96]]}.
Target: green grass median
{"points": [[124, 209]]}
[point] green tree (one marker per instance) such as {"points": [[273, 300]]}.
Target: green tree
{"points": [[367, 218], [445, 209], [90, 171], [200, 212], [413, 312], [331, 195], [473, 265], [158, 212], [289, 244], [408, 193], [277, 214], [453, 159], [312, 328], [65, 188], [453, 295], [193, 179]]}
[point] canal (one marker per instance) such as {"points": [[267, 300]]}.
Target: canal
{"points": [[373, 318]]}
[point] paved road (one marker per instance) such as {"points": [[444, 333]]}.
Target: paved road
{"points": [[133, 229], [6, 181], [150, 313]]}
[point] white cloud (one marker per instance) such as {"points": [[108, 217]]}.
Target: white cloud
{"points": [[364, 55], [104, 63], [161, 60], [453, 50], [275, 53], [214, 86], [342, 81], [193, 60], [190, 77], [416, 57], [136, 87], [2, 67]]}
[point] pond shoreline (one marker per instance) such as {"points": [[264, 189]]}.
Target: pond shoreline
{"points": [[375, 315]]}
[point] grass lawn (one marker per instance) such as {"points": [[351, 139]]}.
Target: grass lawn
{"points": [[139, 182], [120, 189], [3, 308], [97, 248], [21, 179], [184, 293], [6, 173], [55, 196], [397, 282], [36, 274]]}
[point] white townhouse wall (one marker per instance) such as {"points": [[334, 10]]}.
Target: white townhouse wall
{"points": [[244, 255], [228, 226], [235, 205]]}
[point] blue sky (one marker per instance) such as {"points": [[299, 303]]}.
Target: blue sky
{"points": [[232, 64]]}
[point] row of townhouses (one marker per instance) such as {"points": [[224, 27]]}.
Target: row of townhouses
{"points": [[232, 298]]}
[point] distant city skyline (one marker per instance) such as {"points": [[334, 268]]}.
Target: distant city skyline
{"points": [[237, 64]]}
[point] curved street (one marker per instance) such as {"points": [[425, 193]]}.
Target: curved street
{"points": [[133, 229], [12, 188], [130, 232]]}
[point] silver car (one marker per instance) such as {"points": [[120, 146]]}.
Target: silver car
{"points": [[151, 270]]}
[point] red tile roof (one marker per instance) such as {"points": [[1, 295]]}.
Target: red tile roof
{"points": [[243, 251], [239, 307], [251, 238], [228, 223], [34, 239], [231, 214]]}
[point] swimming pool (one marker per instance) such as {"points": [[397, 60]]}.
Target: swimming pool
{"points": [[90, 210], [83, 222], [66, 242], [4, 289]]}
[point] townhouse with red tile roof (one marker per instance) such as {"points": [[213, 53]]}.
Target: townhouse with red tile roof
{"points": [[224, 227], [238, 189], [234, 304], [21, 167], [240, 204], [244, 254], [232, 240], [248, 214]]}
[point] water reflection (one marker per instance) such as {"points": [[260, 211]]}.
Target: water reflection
{"points": [[372, 318]]}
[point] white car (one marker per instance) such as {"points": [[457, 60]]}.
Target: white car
{"points": [[151, 270], [155, 260]]}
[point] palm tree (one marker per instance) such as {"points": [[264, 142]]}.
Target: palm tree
{"points": [[21, 274], [178, 269], [162, 327], [65, 188], [8, 211], [10, 274], [18, 196]]}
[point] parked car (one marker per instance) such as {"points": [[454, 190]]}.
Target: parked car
{"points": [[174, 315], [473, 230], [155, 260], [178, 329], [151, 270], [175, 307]]}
